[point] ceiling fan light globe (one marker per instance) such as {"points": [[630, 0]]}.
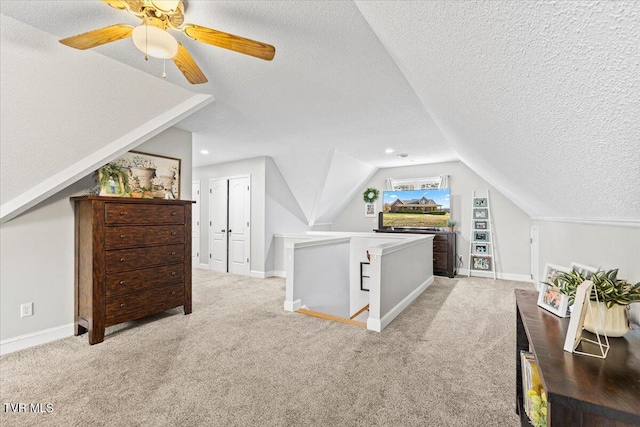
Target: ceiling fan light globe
{"points": [[154, 41], [166, 5]]}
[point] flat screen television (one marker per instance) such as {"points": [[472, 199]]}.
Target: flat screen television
{"points": [[416, 208]]}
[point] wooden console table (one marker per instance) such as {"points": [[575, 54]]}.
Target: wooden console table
{"points": [[581, 390], [444, 249]]}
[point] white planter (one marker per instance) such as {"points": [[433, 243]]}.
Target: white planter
{"points": [[612, 321]]}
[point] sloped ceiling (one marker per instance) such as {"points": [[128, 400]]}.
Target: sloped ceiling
{"points": [[539, 98], [64, 113]]}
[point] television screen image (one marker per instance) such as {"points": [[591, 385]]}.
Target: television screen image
{"points": [[416, 208]]}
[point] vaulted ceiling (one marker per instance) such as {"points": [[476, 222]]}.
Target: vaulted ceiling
{"points": [[539, 98]]}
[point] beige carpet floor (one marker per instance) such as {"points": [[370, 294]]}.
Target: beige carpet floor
{"points": [[240, 360]]}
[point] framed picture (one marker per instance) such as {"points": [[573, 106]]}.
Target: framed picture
{"points": [[585, 270], [551, 272], [480, 248], [370, 209], [480, 202], [480, 225], [580, 305], [551, 299], [481, 213], [481, 236], [136, 174], [481, 263]]}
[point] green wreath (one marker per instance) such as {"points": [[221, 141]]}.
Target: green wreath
{"points": [[371, 194]]}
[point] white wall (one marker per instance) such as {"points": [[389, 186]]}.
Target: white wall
{"points": [[511, 224], [600, 246], [60, 105], [282, 215], [254, 167], [37, 250]]}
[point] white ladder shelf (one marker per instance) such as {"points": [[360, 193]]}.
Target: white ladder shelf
{"points": [[482, 257]]}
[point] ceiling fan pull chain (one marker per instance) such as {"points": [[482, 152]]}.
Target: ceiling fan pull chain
{"points": [[164, 68]]}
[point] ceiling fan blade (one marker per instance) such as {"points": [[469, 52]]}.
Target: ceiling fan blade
{"points": [[188, 66], [98, 37], [132, 5], [231, 42]]}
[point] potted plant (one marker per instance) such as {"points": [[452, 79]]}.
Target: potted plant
{"points": [[451, 223], [614, 297]]}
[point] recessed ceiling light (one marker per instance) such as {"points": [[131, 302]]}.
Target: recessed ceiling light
{"points": [[403, 155], [204, 151], [389, 150]]}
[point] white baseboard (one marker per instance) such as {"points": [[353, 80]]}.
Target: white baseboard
{"points": [[501, 276], [379, 324], [257, 274], [36, 338], [292, 305], [203, 266], [276, 273]]}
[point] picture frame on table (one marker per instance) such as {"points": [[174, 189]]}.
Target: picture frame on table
{"points": [[480, 213], [585, 270], [551, 272], [480, 225], [551, 299]]}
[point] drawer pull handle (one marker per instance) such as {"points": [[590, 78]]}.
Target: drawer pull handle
{"points": [[174, 213], [121, 212], [121, 259], [122, 236], [122, 282], [173, 293], [122, 305], [173, 233], [173, 273], [173, 253]]}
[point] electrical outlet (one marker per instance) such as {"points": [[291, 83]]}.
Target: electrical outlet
{"points": [[26, 309]]}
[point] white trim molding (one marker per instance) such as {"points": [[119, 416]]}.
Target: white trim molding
{"points": [[36, 338], [257, 274], [500, 276], [292, 305], [378, 325], [606, 222], [277, 273], [202, 266]]}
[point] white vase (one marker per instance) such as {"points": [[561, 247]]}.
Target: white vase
{"points": [[612, 321]]}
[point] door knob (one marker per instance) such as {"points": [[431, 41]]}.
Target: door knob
{"points": [[222, 231], [229, 231]]}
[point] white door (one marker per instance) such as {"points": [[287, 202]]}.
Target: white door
{"points": [[218, 224], [195, 224], [534, 256], [239, 225]]}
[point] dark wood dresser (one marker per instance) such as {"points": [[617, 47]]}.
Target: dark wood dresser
{"points": [[444, 249], [132, 259], [581, 390]]}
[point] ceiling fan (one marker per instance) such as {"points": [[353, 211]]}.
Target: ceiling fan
{"points": [[153, 39]]}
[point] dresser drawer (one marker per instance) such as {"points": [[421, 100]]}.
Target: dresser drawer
{"points": [[131, 259], [128, 213], [440, 260], [138, 235], [139, 304], [440, 246], [137, 280]]}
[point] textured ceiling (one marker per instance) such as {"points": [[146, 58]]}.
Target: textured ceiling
{"points": [[539, 98]]}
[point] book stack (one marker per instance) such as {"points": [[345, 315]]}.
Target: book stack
{"points": [[530, 379]]}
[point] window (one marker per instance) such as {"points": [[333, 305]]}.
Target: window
{"points": [[430, 183]]}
